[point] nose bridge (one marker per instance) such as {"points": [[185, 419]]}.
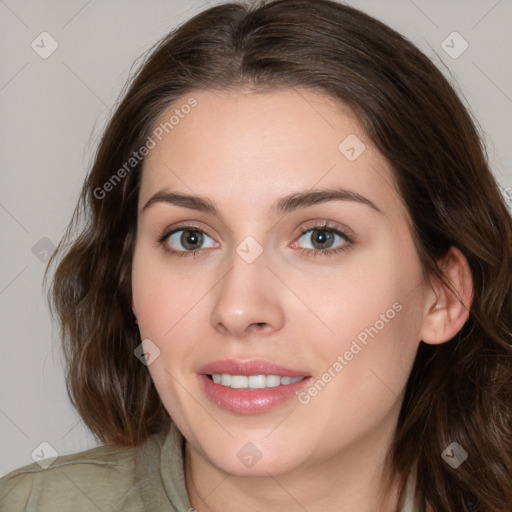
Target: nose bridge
{"points": [[247, 297]]}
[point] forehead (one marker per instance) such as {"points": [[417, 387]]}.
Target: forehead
{"points": [[245, 146]]}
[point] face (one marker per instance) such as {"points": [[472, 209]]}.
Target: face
{"points": [[285, 308]]}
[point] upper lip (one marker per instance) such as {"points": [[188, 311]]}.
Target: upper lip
{"points": [[249, 367]]}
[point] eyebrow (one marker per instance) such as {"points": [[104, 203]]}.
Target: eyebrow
{"points": [[282, 206]]}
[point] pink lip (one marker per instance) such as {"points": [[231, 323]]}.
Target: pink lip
{"points": [[252, 367], [247, 401]]}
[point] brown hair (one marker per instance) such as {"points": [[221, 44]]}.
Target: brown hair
{"points": [[458, 391]]}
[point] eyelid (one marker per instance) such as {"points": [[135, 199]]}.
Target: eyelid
{"points": [[167, 231], [326, 224]]}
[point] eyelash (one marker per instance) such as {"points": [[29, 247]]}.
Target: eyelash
{"points": [[317, 226]]}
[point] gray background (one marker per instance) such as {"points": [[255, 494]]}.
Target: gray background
{"points": [[52, 113]]}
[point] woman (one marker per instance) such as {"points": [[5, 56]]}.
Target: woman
{"points": [[292, 290]]}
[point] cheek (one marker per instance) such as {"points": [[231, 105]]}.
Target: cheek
{"points": [[154, 296], [355, 295], [368, 312], [162, 296], [164, 301], [363, 370], [170, 299]]}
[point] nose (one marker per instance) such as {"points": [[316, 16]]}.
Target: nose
{"points": [[248, 300]]}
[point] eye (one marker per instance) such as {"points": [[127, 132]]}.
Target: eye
{"points": [[324, 240], [187, 241]]}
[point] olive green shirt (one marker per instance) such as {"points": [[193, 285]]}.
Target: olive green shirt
{"points": [[107, 478]]}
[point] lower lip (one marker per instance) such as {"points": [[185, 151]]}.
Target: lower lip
{"points": [[250, 401]]}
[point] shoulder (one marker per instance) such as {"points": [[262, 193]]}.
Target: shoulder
{"points": [[101, 478]]}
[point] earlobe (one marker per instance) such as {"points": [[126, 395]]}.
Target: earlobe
{"points": [[447, 310]]}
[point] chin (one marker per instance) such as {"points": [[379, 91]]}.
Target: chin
{"points": [[254, 462]]}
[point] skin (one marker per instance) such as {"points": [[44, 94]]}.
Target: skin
{"points": [[243, 151]]}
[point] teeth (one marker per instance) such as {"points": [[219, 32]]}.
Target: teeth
{"points": [[253, 381], [257, 382], [239, 381], [273, 381]]}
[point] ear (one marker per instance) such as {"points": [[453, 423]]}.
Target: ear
{"points": [[445, 311]]}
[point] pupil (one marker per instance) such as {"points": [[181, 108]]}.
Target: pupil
{"points": [[191, 238], [322, 238]]}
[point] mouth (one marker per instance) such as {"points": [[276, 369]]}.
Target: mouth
{"points": [[250, 387]]}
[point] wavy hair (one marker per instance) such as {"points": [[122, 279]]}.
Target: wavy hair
{"points": [[458, 391]]}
